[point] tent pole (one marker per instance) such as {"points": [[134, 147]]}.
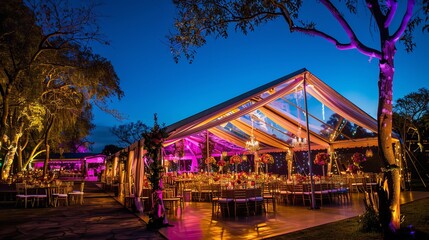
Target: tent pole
{"points": [[313, 202], [208, 150]]}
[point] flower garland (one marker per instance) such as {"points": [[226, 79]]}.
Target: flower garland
{"points": [[321, 159], [235, 159], [267, 158], [210, 160]]}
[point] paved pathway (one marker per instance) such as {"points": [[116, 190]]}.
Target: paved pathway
{"points": [[101, 217]]}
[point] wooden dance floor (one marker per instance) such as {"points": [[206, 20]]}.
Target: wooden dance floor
{"points": [[196, 220]]}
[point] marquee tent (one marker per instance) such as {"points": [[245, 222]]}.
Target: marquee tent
{"points": [[277, 115]]}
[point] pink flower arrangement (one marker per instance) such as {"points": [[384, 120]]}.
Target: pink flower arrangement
{"points": [[358, 158], [267, 158], [235, 159], [210, 160], [221, 162], [321, 159]]}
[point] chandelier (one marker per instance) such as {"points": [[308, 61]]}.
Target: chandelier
{"points": [[298, 141], [252, 145]]}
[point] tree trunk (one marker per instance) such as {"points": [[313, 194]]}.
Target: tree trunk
{"points": [[10, 156], [8, 162], [46, 163], [390, 219]]}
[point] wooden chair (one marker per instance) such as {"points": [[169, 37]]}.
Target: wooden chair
{"points": [[226, 197], [270, 196], [241, 200], [60, 196], [76, 196], [128, 196], [256, 199], [168, 196], [22, 196], [39, 195], [215, 196]]}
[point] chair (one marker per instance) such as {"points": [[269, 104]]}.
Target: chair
{"points": [[77, 195], [128, 196], [21, 195], [168, 197], [270, 196], [240, 200], [256, 198], [204, 190], [301, 191], [321, 191], [39, 195], [226, 197], [215, 196], [285, 190], [60, 196]]}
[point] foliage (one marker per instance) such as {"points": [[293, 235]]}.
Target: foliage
{"points": [[153, 139], [50, 78], [128, 133], [409, 116], [369, 221], [110, 149]]}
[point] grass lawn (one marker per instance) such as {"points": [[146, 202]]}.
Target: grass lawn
{"points": [[416, 215]]}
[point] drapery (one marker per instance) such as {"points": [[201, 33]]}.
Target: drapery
{"points": [[139, 177]]}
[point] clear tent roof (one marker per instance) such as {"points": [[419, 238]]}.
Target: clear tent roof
{"points": [[276, 113]]}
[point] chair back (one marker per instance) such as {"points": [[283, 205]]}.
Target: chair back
{"points": [[241, 193], [21, 188]]}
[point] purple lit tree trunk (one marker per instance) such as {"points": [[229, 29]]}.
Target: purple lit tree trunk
{"points": [[384, 113]]}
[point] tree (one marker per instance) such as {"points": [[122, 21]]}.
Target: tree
{"points": [[49, 77], [198, 19], [129, 133], [409, 115], [110, 149]]}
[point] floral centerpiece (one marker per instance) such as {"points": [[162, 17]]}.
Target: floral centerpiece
{"points": [[321, 159], [358, 158], [267, 158], [235, 159], [221, 163], [210, 160]]}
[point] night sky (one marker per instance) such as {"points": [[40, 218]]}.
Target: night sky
{"points": [[225, 68]]}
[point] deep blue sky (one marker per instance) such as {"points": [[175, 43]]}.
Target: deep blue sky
{"points": [[222, 69]]}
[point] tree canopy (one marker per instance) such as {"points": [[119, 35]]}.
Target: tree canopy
{"points": [[50, 78]]}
